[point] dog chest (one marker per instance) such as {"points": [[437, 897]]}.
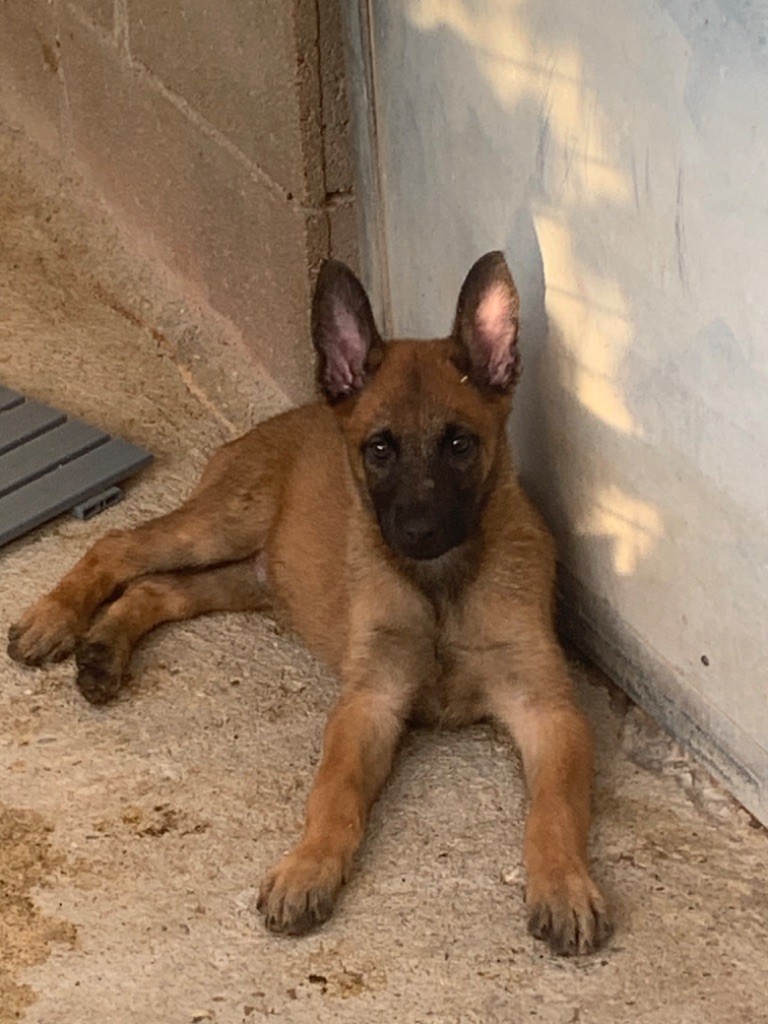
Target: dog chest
{"points": [[449, 696]]}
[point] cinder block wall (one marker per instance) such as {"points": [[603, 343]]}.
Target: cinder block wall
{"points": [[216, 132]]}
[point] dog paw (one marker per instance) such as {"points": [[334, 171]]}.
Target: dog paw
{"points": [[100, 671], [46, 632], [299, 893], [568, 913]]}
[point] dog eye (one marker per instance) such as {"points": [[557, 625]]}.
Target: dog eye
{"points": [[458, 442], [461, 444], [379, 450]]}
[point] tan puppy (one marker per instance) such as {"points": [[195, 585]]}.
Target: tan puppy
{"points": [[387, 527]]}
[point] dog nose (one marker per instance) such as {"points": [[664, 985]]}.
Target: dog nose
{"points": [[417, 531]]}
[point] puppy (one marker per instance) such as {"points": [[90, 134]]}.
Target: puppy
{"points": [[387, 527]]}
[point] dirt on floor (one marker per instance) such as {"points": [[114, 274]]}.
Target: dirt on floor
{"points": [[133, 837]]}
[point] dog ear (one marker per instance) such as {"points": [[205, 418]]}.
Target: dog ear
{"points": [[486, 323], [344, 332]]}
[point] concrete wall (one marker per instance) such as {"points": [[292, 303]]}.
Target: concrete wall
{"points": [[619, 153], [214, 129]]}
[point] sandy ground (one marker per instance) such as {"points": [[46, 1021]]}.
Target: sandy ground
{"points": [[133, 838]]}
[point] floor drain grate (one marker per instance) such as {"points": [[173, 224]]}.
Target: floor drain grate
{"points": [[50, 464]]}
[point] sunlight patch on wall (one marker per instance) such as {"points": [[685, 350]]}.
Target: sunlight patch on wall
{"points": [[517, 69], [632, 525], [593, 324]]}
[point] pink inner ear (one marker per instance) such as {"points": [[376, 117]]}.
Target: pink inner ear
{"points": [[346, 355], [495, 332]]}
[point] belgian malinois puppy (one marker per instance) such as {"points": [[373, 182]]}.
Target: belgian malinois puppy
{"points": [[386, 525]]}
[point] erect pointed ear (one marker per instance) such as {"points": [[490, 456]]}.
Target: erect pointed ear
{"points": [[344, 333], [486, 324]]}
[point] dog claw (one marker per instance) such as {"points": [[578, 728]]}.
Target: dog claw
{"points": [[573, 919], [299, 893]]}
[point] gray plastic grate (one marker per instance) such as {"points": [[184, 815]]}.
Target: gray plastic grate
{"points": [[50, 464]]}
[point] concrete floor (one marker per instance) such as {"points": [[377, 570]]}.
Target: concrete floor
{"points": [[133, 838]]}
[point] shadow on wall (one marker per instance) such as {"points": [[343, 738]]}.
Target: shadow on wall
{"points": [[577, 322]]}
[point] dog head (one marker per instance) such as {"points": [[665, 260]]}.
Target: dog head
{"points": [[423, 420]]}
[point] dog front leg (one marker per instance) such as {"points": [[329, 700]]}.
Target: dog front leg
{"points": [[360, 741], [565, 907]]}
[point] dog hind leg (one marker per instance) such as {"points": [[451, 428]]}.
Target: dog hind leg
{"points": [[227, 518], [104, 653]]}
